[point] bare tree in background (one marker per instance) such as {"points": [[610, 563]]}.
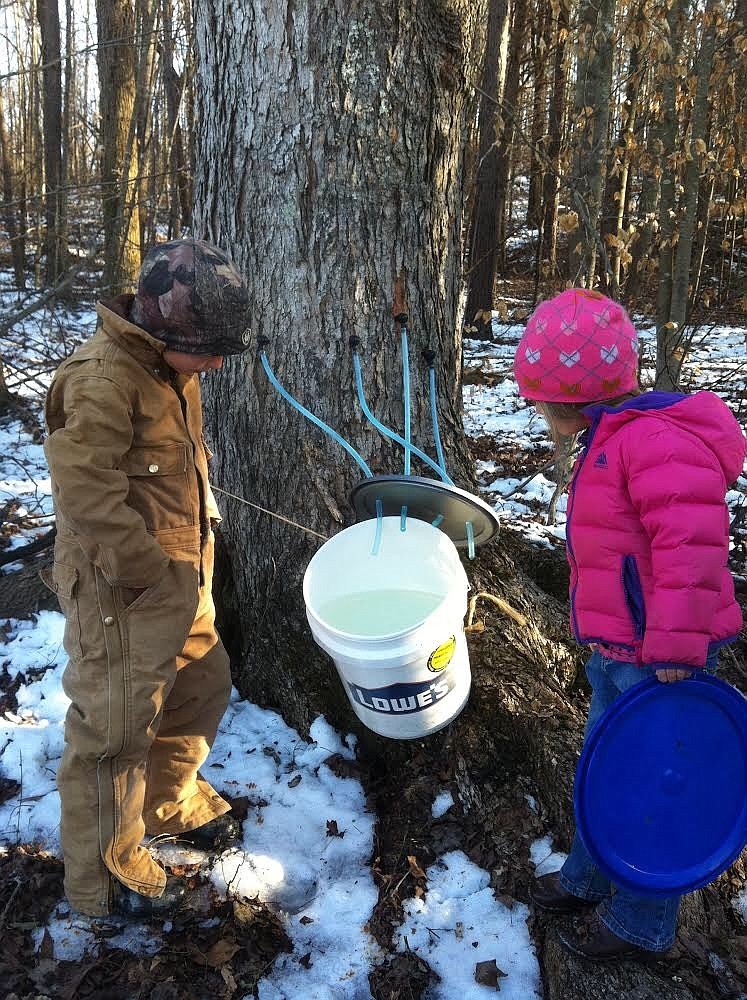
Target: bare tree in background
{"points": [[55, 236], [10, 204], [676, 15], [174, 84], [507, 134], [117, 66], [591, 110], [483, 230], [670, 354], [548, 238]]}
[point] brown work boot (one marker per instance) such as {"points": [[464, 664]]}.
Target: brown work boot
{"points": [[593, 940], [128, 903], [217, 835], [548, 894]]}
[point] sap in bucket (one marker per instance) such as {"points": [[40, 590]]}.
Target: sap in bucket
{"points": [[393, 623]]}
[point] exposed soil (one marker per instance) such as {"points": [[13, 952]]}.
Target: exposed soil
{"points": [[225, 959]]}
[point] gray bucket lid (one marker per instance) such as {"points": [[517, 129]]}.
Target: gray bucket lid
{"points": [[427, 500]]}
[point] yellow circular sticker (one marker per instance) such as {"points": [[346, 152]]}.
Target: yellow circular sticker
{"points": [[440, 658]]}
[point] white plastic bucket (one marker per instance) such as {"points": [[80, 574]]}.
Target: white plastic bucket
{"points": [[393, 624]]}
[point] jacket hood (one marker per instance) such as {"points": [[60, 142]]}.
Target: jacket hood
{"points": [[702, 414]]}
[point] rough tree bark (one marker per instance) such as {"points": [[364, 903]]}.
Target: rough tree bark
{"points": [[333, 188], [483, 238], [116, 57]]}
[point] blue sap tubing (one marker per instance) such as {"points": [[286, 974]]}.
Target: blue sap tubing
{"points": [[470, 539], [392, 435], [406, 397], [310, 416], [379, 526]]}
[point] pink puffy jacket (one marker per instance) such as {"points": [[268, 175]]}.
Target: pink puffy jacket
{"points": [[648, 529]]}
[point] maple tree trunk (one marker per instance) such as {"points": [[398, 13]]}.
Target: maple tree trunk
{"points": [[334, 216]]}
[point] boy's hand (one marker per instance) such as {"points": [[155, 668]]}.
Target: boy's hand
{"points": [[671, 674]]}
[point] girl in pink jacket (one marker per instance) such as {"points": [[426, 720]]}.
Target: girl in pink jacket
{"points": [[648, 545]]}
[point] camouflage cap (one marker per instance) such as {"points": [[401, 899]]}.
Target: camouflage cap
{"points": [[191, 295]]}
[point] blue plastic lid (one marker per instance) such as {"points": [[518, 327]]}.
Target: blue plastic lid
{"points": [[661, 786]]}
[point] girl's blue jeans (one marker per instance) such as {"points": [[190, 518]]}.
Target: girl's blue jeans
{"points": [[644, 921]]}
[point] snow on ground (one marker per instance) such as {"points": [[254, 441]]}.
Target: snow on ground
{"points": [[39, 342], [443, 802], [30, 354], [740, 905], [306, 850], [457, 924], [544, 858], [24, 480]]}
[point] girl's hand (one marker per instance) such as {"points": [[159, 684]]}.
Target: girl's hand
{"points": [[671, 674]]}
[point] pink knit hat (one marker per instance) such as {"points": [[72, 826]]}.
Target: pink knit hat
{"points": [[578, 347]]}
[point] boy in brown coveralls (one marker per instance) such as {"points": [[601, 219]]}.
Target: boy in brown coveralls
{"points": [[148, 677]]}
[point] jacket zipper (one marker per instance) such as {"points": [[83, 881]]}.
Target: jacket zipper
{"points": [[569, 544], [633, 592]]}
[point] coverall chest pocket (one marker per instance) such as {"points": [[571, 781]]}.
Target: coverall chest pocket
{"points": [[63, 580], [160, 488]]}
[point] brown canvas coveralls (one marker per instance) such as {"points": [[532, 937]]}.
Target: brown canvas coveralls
{"points": [[148, 677]]}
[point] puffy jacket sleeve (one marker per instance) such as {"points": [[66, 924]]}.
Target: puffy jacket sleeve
{"points": [[677, 487], [89, 488]]}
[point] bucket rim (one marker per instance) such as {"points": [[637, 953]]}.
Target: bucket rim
{"points": [[435, 533]]}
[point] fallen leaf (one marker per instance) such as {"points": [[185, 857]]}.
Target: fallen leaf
{"points": [[228, 979], [305, 961], [332, 830], [294, 781], [221, 952], [415, 870], [343, 767], [46, 948], [488, 974]]}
